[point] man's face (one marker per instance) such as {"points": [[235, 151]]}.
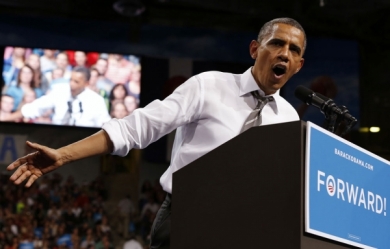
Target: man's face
{"points": [[94, 77], [278, 57], [7, 104], [101, 66], [80, 58], [57, 73], [62, 61], [49, 53], [33, 61], [78, 82]]}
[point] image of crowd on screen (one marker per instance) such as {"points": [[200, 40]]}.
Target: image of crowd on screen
{"points": [[31, 73]]}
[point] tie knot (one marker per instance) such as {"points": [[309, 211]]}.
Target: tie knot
{"points": [[262, 99]]}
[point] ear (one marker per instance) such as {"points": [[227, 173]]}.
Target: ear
{"points": [[253, 48], [300, 66]]}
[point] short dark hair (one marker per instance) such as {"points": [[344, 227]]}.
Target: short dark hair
{"points": [[267, 27], [85, 71]]}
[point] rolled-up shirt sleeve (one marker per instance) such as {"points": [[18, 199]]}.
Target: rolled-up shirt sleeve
{"points": [[148, 124]]}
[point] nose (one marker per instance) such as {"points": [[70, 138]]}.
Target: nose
{"points": [[283, 54]]}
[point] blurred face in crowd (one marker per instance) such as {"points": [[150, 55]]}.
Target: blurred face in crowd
{"points": [[33, 61], [6, 104], [62, 60], [117, 57], [57, 73], [119, 92], [101, 66], [78, 82], [136, 76], [119, 110], [49, 53], [277, 57], [19, 52], [130, 103], [26, 75], [29, 96], [80, 57], [94, 77]]}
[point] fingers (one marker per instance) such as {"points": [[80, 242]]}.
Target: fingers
{"points": [[17, 163], [31, 180], [24, 159], [20, 175]]}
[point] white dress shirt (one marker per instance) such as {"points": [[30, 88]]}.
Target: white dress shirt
{"points": [[207, 110], [87, 109]]}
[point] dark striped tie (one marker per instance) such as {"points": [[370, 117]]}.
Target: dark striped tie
{"points": [[254, 118]]}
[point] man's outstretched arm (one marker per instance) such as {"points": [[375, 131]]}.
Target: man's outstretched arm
{"points": [[45, 159]]}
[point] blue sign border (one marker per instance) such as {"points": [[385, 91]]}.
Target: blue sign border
{"points": [[310, 127]]}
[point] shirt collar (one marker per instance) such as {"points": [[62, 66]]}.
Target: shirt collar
{"points": [[248, 84]]}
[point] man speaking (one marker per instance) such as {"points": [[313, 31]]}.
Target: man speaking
{"points": [[207, 110], [72, 104]]}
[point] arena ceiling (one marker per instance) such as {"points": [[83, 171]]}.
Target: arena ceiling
{"points": [[366, 20]]}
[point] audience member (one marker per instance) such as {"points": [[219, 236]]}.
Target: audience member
{"points": [[118, 109], [80, 58], [95, 86], [118, 93], [131, 103], [25, 82], [39, 78], [134, 84], [119, 69], [13, 62], [6, 106], [43, 224], [48, 60], [62, 61]]}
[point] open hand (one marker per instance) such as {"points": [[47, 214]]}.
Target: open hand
{"points": [[34, 165]]}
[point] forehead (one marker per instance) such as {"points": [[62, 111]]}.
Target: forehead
{"points": [[26, 69], [78, 76], [129, 99], [6, 99], [286, 32], [62, 56]]}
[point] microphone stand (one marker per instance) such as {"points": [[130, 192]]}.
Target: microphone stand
{"points": [[336, 115]]}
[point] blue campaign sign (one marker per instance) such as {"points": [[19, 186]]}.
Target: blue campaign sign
{"points": [[347, 189]]}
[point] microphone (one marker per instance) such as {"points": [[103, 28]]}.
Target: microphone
{"points": [[81, 107], [333, 113], [344, 111], [325, 104], [70, 106]]}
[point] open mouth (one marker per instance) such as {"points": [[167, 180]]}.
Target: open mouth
{"points": [[279, 70]]}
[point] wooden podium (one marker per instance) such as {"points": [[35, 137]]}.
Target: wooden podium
{"points": [[247, 193]]}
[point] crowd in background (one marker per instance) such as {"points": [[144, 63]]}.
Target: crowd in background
{"points": [[64, 215], [29, 74]]}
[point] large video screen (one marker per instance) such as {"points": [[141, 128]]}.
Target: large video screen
{"points": [[67, 87]]}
